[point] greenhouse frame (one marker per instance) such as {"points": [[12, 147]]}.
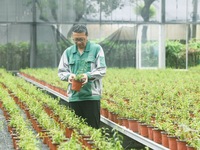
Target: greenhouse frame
{"points": [[133, 33]]}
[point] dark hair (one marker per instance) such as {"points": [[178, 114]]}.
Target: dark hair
{"points": [[80, 28]]}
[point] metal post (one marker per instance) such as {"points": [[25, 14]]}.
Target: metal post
{"points": [[187, 37], [162, 47], [33, 35], [162, 38]]}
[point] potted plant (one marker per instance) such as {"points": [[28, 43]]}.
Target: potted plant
{"points": [[77, 83], [73, 143], [78, 80]]}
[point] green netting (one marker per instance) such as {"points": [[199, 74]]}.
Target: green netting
{"points": [[120, 48]]}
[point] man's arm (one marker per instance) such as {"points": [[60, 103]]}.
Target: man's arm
{"points": [[100, 70], [63, 68]]}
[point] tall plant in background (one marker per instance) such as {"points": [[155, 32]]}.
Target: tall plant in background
{"points": [[175, 54], [14, 56], [194, 52], [85, 7], [147, 11]]}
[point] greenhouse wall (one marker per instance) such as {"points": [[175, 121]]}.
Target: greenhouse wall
{"points": [[36, 32]]}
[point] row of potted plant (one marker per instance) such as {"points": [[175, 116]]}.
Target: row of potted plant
{"points": [[72, 121], [165, 95], [47, 77], [40, 120], [66, 116], [46, 127], [23, 136]]}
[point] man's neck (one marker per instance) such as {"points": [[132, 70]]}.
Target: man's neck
{"points": [[80, 50]]}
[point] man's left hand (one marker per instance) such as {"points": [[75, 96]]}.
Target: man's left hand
{"points": [[85, 79]]}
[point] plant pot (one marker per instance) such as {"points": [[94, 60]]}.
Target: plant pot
{"points": [[27, 113], [63, 92], [48, 110], [1, 104], [143, 129], [150, 132], [133, 125], [6, 114], [125, 122], [44, 136], [15, 138], [104, 112], [54, 146], [190, 147], [181, 145], [76, 85], [87, 142], [119, 121], [68, 132], [138, 124], [165, 141], [157, 135], [39, 128], [9, 128], [110, 115], [172, 142], [115, 116]]}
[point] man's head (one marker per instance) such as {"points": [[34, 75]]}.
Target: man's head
{"points": [[79, 35]]}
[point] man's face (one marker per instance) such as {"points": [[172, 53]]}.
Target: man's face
{"points": [[80, 39]]}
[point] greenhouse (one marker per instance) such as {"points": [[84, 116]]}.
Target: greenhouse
{"points": [[142, 67]]}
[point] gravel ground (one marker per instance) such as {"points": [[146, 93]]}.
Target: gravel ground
{"points": [[5, 137]]}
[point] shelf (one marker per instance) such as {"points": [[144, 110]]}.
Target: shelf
{"points": [[44, 88], [135, 136]]}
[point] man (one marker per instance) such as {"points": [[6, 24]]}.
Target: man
{"points": [[89, 58]]}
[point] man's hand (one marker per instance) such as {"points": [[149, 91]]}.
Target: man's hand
{"points": [[85, 79], [71, 77]]}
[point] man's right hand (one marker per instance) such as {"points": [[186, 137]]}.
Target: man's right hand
{"points": [[71, 77]]}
